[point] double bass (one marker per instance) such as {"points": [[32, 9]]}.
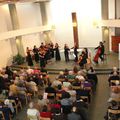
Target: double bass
{"points": [[97, 55]]}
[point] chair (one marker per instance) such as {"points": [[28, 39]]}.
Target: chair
{"points": [[28, 96], [71, 80], [2, 115], [42, 118], [113, 112], [85, 98], [16, 106], [31, 117], [58, 96], [113, 82], [76, 87], [51, 95]]}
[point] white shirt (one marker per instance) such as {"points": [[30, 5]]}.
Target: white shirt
{"points": [[33, 112]]}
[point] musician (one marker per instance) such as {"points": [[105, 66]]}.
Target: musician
{"points": [[66, 52], [82, 59], [36, 54], [42, 59], [100, 52], [57, 52], [29, 59], [75, 52]]}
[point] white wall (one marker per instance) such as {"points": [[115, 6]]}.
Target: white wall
{"points": [[5, 46], [5, 53], [87, 12], [29, 15], [111, 9]]}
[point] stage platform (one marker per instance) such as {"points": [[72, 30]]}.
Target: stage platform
{"points": [[55, 67]]}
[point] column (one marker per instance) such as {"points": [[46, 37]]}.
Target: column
{"points": [[105, 30], [15, 25], [75, 29], [47, 35]]}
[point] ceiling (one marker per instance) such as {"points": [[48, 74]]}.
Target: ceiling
{"points": [[20, 1]]}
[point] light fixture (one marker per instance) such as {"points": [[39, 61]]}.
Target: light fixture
{"points": [[74, 24]]}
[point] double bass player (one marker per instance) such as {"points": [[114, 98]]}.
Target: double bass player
{"points": [[100, 52]]}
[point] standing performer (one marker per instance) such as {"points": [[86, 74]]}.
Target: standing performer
{"points": [[36, 54], [29, 59], [57, 52], [75, 53], [99, 53], [42, 59], [66, 52]]}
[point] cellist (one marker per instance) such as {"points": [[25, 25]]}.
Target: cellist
{"points": [[99, 53]]}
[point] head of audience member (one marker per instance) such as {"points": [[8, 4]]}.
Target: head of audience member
{"points": [[40, 97], [57, 111], [117, 82], [21, 77], [70, 87], [74, 109], [61, 75], [44, 109], [16, 82], [6, 76], [115, 69], [31, 105], [75, 70], [91, 70], [76, 80], [11, 93], [59, 87], [80, 78], [66, 72], [65, 95], [70, 72]]}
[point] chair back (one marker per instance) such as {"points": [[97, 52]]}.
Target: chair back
{"points": [[31, 117], [2, 115]]}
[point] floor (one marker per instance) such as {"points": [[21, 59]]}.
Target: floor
{"points": [[98, 106]]}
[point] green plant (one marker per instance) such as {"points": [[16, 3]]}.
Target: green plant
{"points": [[18, 59]]}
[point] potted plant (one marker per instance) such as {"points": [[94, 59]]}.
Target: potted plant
{"points": [[18, 59]]}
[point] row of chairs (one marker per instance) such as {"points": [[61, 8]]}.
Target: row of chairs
{"points": [[112, 113]]}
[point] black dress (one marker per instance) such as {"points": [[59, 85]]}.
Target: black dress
{"points": [[76, 54], [42, 60], [57, 54], [66, 52], [29, 59], [36, 55]]}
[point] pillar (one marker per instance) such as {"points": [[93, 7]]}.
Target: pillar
{"points": [[47, 35], [105, 30], [15, 24], [75, 29]]}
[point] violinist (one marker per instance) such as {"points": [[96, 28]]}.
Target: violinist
{"points": [[57, 52], [36, 54], [99, 53]]}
